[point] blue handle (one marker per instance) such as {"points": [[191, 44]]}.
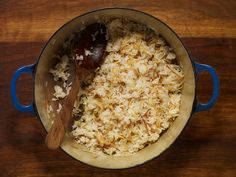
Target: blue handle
{"points": [[200, 68], [26, 69]]}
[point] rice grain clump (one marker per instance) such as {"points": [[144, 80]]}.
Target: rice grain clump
{"points": [[134, 96]]}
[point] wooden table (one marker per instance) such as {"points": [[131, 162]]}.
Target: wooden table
{"points": [[207, 147]]}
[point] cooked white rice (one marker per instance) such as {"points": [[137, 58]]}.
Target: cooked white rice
{"points": [[134, 96]]}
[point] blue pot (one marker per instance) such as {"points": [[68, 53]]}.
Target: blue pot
{"points": [[189, 104]]}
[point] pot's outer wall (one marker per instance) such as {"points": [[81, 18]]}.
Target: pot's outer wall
{"points": [[46, 61]]}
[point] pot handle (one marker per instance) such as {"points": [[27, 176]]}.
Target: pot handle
{"points": [[25, 69], [198, 69]]}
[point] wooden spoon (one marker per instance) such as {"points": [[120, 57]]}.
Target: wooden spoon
{"points": [[91, 45]]}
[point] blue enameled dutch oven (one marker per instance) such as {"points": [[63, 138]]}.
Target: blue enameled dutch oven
{"points": [[189, 104]]}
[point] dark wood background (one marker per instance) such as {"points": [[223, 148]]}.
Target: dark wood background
{"points": [[207, 147]]}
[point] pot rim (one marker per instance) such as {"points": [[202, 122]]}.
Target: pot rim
{"points": [[89, 12]]}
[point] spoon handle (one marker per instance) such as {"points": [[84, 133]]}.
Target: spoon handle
{"points": [[56, 134], [61, 123]]}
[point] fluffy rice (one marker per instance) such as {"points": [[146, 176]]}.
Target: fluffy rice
{"points": [[133, 97]]}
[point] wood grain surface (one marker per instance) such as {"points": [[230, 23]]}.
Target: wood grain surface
{"points": [[207, 147]]}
